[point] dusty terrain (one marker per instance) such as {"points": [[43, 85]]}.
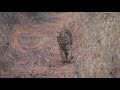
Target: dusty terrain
{"points": [[29, 48]]}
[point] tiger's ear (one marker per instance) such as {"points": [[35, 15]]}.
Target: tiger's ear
{"points": [[58, 32]]}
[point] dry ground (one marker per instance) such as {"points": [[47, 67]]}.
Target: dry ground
{"points": [[29, 49]]}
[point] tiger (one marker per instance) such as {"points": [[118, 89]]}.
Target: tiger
{"points": [[64, 39]]}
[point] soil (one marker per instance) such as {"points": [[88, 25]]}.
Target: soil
{"points": [[34, 51], [29, 48]]}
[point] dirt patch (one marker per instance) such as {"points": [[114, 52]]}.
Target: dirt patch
{"points": [[34, 49], [29, 48]]}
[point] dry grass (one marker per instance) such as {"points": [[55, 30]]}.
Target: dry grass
{"points": [[96, 47]]}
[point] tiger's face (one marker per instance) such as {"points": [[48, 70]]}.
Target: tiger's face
{"points": [[61, 37]]}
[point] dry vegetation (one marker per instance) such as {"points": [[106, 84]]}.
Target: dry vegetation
{"points": [[28, 45]]}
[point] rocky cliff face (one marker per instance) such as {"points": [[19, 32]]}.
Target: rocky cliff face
{"points": [[29, 48]]}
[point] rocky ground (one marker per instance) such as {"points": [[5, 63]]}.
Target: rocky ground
{"points": [[29, 48]]}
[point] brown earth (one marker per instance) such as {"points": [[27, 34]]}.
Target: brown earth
{"points": [[35, 52], [29, 48]]}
